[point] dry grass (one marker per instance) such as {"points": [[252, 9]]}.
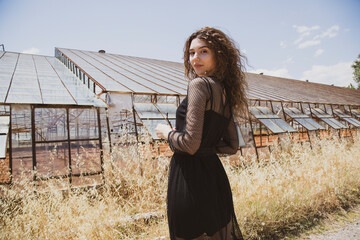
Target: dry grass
{"points": [[296, 187], [286, 193]]}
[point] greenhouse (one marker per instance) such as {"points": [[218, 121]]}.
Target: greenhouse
{"points": [[58, 114], [52, 125], [143, 92]]}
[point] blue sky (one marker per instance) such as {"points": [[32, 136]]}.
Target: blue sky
{"points": [[310, 39]]}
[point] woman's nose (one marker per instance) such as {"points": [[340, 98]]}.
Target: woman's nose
{"points": [[195, 57]]}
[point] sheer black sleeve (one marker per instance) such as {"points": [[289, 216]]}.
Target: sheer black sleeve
{"points": [[189, 140]]}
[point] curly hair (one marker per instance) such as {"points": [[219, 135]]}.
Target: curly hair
{"points": [[229, 66]]}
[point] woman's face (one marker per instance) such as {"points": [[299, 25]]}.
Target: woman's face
{"points": [[202, 58]]}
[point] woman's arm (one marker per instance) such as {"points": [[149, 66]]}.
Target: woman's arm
{"points": [[229, 142], [190, 139]]}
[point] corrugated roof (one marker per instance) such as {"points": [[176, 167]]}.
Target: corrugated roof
{"points": [[120, 73], [302, 91], [130, 74], [34, 79]]}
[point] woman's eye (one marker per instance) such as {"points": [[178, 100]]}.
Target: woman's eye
{"points": [[204, 51], [192, 53]]}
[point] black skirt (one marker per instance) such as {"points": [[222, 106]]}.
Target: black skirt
{"points": [[199, 199]]}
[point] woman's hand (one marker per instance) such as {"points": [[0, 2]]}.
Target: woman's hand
{"points": [[162, 130]]}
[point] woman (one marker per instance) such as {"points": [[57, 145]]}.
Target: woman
{"points": [[199, 200]]}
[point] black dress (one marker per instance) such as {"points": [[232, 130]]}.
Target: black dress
{"points": [[199, 200]]}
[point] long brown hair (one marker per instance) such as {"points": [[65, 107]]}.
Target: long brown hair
{"points": [[229, 66]]}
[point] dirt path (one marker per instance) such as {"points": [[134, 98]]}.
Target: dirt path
{"points": [[351, 231], [340, 227]]}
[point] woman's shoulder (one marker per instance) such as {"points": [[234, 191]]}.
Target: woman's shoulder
{"points": [[201, 85], [204, 80], [208, 83], [198, 82]]}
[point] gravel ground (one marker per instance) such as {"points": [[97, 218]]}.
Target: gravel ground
{"points": [[344, 225], [350, 231]]}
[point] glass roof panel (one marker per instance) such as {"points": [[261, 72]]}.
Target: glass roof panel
{"points": [[314, 123], [52, 89], [154, 81], [353, 121], [147, 110], [104, 75], [331, 123], [271, 125], [74, 87], [320, 113], [170, 68], [295, 113], [177, 78], [3, 145], [7, 66], [4, 124], [254, 95], [150, 125], [254, 111], [24, 85], [341, 114], [266, 112], [22, 96], [305, 124], [167, 108], [341, 125], [356, 113], [260, 114], [36, 81], [93, 72], [284, 125]]}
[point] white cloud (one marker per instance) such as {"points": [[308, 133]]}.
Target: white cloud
{"points": [[330, 32], [281, 72], [302, 29], [339, 74], [346, 29], [301, 37], [305, 32], [31, 51], [319, 52], [283, 44], [309, 43]]}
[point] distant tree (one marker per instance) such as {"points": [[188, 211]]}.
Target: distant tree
{"points": [[356, 67], [351, 86]]}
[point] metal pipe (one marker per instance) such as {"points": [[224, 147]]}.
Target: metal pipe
{"points": [[10, 146], [136, 132], [282, 107], [108, 129], [33, 146], [69, 143], [100, 145], [100, 139], [252, 133]]}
